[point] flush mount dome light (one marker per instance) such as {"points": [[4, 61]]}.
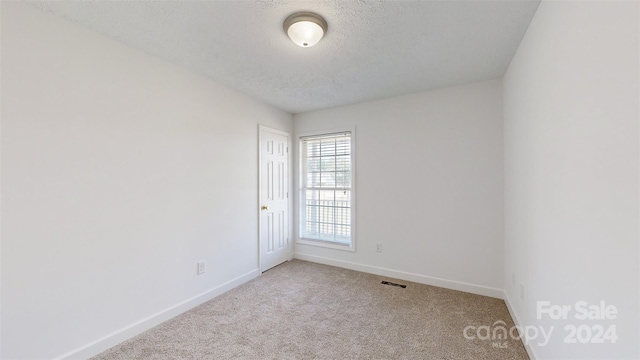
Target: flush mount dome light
{"points": [[305, 28]]}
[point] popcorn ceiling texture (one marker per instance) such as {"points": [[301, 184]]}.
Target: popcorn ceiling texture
{"points": [[372, 50], [303, 310]]}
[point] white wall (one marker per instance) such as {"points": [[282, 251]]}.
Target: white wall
{"points": [[429, 186], [571, 171], [119, 172]]}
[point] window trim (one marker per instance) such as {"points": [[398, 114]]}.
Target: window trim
{"points": [[299, 206]]}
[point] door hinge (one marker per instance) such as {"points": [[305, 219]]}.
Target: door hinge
{"points": [[287, 195], [287, 149]]}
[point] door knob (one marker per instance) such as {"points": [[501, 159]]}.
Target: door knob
{"points": [[265, 207]]}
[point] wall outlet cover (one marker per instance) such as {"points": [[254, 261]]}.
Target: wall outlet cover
{"points": [[202, 267]]}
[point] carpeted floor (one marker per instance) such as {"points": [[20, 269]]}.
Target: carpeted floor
{"points": [[303, 310]]}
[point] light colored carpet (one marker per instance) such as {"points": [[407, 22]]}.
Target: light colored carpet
{"points": [[303, 310]]}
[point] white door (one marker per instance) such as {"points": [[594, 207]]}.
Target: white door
{"points": [[274, 198]]}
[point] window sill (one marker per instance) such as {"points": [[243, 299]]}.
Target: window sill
{"points": [[327, 244]]}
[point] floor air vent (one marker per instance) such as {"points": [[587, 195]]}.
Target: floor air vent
{"points": [[394, 284]]}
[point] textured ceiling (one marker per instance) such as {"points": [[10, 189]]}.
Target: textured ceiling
{"points": [[372, 50]]}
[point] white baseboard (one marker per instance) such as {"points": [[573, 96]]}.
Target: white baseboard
{"points": [[418, 278], [95, 347], [517, 322]]}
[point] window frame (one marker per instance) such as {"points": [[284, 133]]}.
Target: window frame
{"points": [[300, 206]]}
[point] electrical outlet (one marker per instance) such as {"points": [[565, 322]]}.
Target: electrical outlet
{"points": [[521, 292], [378, 247], [513, 279], [202, 267]]}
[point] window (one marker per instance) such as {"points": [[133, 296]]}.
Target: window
{"points": [[326, 190]]}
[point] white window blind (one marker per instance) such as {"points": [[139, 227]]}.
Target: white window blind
{"points": [[326, 175]]}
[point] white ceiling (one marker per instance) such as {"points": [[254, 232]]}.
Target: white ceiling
{"points": [[372, 50]]}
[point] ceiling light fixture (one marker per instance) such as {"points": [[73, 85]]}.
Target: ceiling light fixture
{"points": [[305, 29]]}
